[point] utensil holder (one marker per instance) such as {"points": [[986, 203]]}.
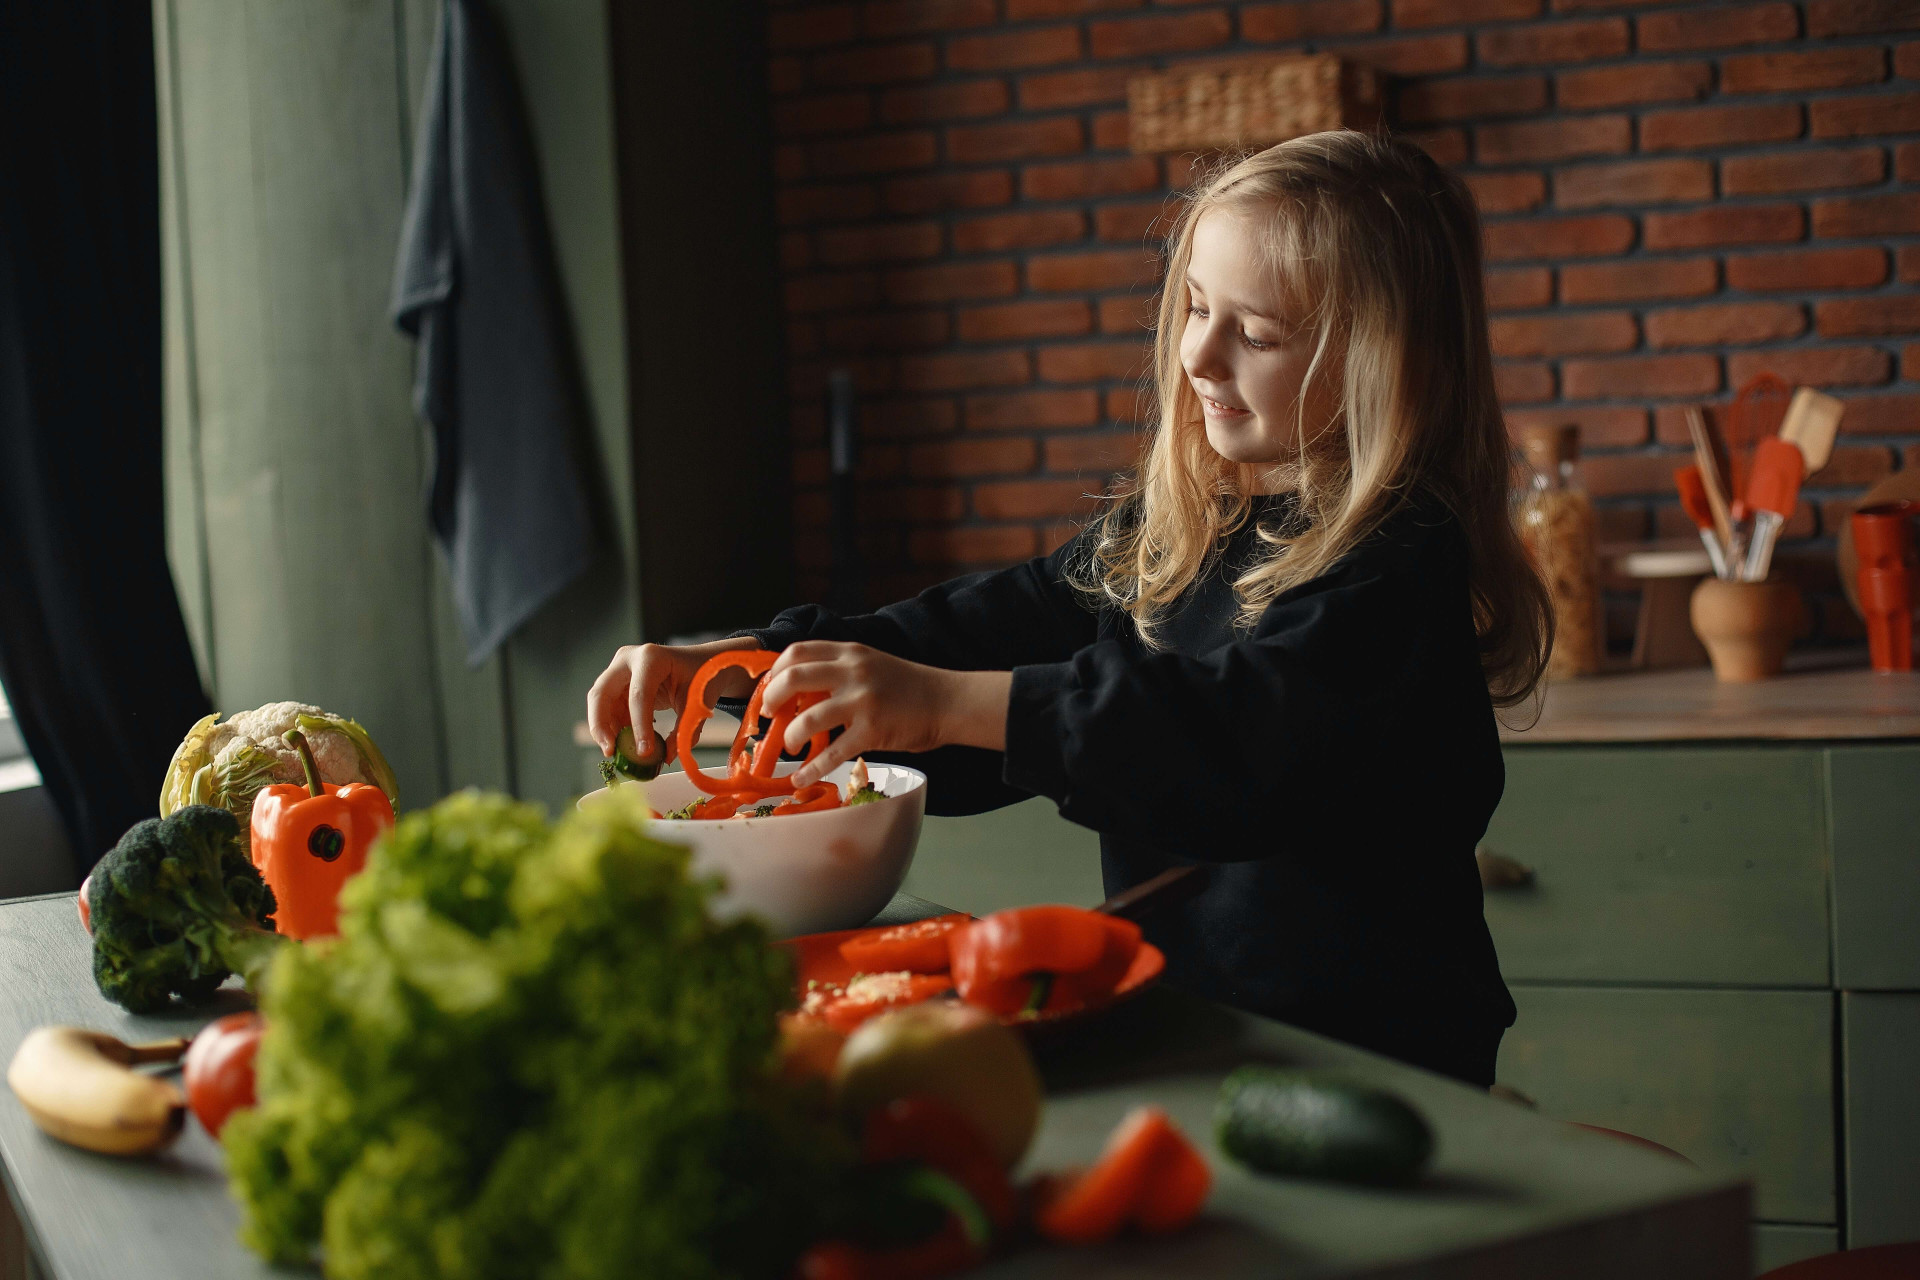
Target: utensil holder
{"points": [[1746, 626]]}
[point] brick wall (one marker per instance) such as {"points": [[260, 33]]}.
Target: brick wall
{"points": [[1676, 197]]}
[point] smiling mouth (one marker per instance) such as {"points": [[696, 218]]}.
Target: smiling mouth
{"points": [[1224, 410]]}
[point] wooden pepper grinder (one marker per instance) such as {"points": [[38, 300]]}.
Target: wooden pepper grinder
{"points": [[1556, 522]]}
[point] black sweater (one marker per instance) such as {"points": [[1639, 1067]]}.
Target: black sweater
{"points": [[1337, 764]]}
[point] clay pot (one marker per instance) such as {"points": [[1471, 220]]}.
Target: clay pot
{"points": [[1746, 626]]}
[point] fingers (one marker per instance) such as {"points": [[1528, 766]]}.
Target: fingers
{"points": [[838, 752], [802, 676], [649, 664], [605, 701], [819, 718]]}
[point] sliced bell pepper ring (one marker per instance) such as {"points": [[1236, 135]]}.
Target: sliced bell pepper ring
{"points": [[767, 754], [811, 799], [755, 662], [920, 947], [1078, 957], [1149, 1175], [849, 1011]]}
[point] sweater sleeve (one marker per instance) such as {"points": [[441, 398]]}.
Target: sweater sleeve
{"points": [[1347, 686]]}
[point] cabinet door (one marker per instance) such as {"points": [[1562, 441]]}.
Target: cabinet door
{"points": [[1876, 867], [1733, 1080], [1656, 864], [1881, 1040]]}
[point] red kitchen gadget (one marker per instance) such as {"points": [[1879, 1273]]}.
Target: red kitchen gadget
{"points": [[1755, 415], [1693, 500], [1883, 539], [1778, 468]]}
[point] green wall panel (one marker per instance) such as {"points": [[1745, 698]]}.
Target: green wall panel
{"points": [[1876, 867]]}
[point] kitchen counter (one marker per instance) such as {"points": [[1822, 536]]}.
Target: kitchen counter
{"points": [[1512, 1193]]}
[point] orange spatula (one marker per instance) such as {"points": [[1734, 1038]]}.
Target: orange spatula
{"points": [[1778, 468]]}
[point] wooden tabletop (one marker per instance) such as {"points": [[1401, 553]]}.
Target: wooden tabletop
{"points": [[1813, 700], [1511, 1193]]}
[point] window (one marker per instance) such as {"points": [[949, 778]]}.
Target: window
{"points": [[16, 767]]}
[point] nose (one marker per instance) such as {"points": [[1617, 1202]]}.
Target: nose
{"points": [[1203, 354]]}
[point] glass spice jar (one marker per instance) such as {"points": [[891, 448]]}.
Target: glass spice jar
{"points": [[1556, 522]]}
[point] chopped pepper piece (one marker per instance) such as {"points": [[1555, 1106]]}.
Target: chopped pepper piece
{"points": [[920, 947], [1148, 1176]]}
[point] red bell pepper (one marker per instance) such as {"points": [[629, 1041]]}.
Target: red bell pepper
{"points": [[1041, 958], [920, 947], [849, 1011], [308, 841], [1149, 1176]]}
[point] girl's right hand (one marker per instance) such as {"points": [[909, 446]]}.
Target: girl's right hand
{"points": [[645, 677]]}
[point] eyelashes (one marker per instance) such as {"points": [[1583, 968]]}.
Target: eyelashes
{"points": [[1252, 344]]}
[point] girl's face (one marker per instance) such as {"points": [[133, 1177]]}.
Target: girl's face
{"points": [[1244, 357]]}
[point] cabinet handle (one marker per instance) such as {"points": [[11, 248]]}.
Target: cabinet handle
{"points": [[1498, 871]]}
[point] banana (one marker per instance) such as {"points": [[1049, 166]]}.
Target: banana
{"points": [[79, 1086]]}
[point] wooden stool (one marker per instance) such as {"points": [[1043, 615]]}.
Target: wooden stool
{"points": [[1881, 1262], [1662, 635]]}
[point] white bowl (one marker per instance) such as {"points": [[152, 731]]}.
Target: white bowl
{"points": [[809, 872]]}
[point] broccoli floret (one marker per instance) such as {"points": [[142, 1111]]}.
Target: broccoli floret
{"points": [[177, 909]]}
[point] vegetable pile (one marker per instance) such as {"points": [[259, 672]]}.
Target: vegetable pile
{"points": [[750, 783], [531, 1051]]}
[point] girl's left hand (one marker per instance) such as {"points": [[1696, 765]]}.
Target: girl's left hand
{"points": [[883, 703]]}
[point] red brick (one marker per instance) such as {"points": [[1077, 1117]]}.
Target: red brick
{"points": [[874, 64], [1860, 17], [1726, 224], [1718, 27], [1641, 278], [830, 203], [1457, 13], [1012, 321], [1906, 61], [1720, 126], [1002, 50], [1053, 90], [1410, 55], [1771, 174], [891, 419], [1101, 453], [1093, 362], [973, 544], [991, 456], [1906, 162], [1016, 140], [884, 18], [1079, 407], [786, 74], [887, 153], [1814, 366], [1866, 115], [1890, 215], [1583, 41], [1882, 415], [900, 242], [1448, 147], [1572, 333], [1599, 428], [832, 292], [1031, 499], [1472, 97], [886, 331], [1127, 315], [1002, 231], [961, 100], [812, 27], [1670, 422], [962, 370], [1273, 23], [1522, 383], [1111, 131], [952, 281], [938, 192], [1507, 192], [1135, 222], [789, 162], [1092, 272], [1080, 179], [1585, 237], [1794, 72], [1168, 33], [1029, 10], [1613, 475], [803, 338], [796, 251], [1725, 324], [1519, 288], [1851, 465], [1127, 404], [1553, 139], [870, 376], [1855, 317], [1634, 83], [1811, 270], [1633, 182], [1632, 377], [1907, 263], [822, 113]]}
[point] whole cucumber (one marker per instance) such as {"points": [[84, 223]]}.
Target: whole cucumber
{"points": [[1311, 1125]]}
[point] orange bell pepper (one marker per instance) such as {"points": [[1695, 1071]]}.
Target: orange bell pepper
{"points": [[749, 771], [308, 841]]}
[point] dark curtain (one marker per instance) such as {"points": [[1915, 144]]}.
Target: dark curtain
{"points": [[93, 651]]}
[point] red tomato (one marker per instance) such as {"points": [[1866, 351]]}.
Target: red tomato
{"points": [[219, 1068], [920, 947]]}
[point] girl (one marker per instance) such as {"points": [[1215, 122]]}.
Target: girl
{"points": [[1279, 649]]}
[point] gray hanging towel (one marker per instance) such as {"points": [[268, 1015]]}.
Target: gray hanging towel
{"points": [[495, 375]]}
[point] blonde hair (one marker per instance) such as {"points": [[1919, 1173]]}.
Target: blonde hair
{"points": [[1380, 249]]}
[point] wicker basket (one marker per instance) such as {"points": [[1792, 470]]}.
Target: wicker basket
{"points": [[1250, 104]]}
